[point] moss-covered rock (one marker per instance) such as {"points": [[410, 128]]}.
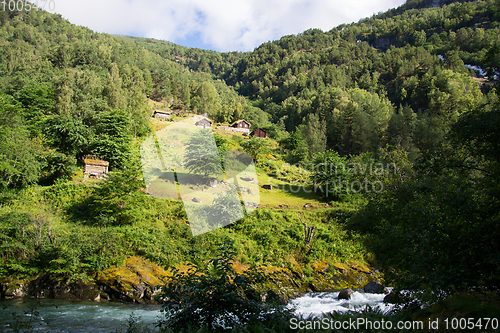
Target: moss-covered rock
{"points": [[320, 266], [13, 288], [283, 285], [137, 280], [289, 283]]}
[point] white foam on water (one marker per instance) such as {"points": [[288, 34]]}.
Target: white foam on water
{"points": [[315, 304]]}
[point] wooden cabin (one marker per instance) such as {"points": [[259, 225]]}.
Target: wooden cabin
{"points": [[162, 114], [259, 133], [243, 124], [205, 123], [95, 167]]}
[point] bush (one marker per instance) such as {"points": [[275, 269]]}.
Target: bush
{"points": [[220, 300]]}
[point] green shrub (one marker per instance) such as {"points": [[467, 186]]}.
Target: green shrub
{"points": [[220, 299]]}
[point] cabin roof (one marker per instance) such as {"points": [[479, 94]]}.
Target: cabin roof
{"points": [[204, 120], [239, 121], [95, 161], [163, 112]]}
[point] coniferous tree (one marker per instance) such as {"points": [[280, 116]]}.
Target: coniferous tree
{"points": [[19, 165], [315, 134], [201, 155], [113, 202]]}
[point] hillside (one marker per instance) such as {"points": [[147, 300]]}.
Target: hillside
{"points": [[67, 93], [381, 137], [68, 80], [408, 60]]}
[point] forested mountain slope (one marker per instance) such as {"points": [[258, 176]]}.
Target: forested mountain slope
{"points": [[397, 79], [394, 78], [347, 74], [61, 84]]}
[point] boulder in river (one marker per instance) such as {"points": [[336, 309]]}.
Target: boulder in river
{"points": [[375, 287], [345, 293]]}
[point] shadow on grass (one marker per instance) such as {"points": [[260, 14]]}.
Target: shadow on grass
{"points": [[185, 178], [292, 195]]}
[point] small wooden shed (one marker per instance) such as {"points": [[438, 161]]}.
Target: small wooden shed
{"points": [[241, 124], [95, 167], [259, 133], [204, 123], [162, 114]]}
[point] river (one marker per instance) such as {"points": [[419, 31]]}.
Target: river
{"points": [[111, 317], [73, 317]]}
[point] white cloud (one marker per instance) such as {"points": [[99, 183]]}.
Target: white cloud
{"points": [[225, 25]]}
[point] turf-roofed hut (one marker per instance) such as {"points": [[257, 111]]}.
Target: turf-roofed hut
{"points": [[94, 167]]}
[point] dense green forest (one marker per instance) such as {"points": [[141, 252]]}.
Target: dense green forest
{"points": [[364, 73], [397, 89]]}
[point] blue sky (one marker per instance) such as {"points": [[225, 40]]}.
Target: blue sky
{"points": [[220, 25]]}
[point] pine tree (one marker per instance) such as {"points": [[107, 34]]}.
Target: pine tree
{"points": [[202, 155]]}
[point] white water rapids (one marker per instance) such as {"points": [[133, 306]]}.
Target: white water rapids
{"points": [[314, 304]]}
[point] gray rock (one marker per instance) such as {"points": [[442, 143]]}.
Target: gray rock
{"points": [[251, 204], [247, 179], [375, 287], [13, 289], [198, 200], [345, 293]]}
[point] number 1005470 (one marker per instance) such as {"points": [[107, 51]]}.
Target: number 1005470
{"points": [[470, 323], [24, 5]]}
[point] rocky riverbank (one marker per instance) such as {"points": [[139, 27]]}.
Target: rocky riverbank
{"points": [[140, 281]]}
